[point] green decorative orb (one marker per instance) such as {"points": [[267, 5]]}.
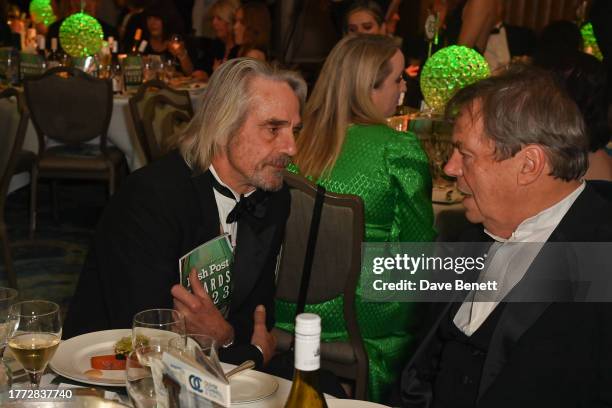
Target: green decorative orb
{"points": [[81, 35], [590, 42], [42, 12], [449, 70]]}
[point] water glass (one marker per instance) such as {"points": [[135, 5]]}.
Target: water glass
{"points": [[139, 382], [156, 327]]}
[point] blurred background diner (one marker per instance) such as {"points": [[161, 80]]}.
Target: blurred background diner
{"points": [[379, 74]]}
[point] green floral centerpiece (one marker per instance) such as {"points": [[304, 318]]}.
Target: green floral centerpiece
{"points": [[81, 35], [42, 12], [449, 70]]}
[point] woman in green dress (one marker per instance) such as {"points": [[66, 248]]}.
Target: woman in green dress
{"points": [[346, 146]]}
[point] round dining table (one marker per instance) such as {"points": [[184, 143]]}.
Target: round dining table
{"points": [[121, 133], [276, 400]]}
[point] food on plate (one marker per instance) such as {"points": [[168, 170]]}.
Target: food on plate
{"points": [[94, 374], [108, 362], [124, 346], [116, 361]]}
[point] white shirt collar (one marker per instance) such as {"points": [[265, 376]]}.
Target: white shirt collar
{"points": [[236, 195], [539, 227]]}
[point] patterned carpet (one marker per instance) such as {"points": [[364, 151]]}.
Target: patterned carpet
{"points": [[48, 266]]}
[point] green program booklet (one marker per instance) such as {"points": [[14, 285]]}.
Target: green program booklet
{"points": [[213, 261]]}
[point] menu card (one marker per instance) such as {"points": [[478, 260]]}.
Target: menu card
{"points": [[195, 384], [213, 261]]}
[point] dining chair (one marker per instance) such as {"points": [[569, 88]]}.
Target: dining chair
{"points": [[150, 135], [336, 268], [14, 123], [73, 109], [163, 120]]}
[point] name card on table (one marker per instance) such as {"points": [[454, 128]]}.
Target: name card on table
{"points": [[198, 385], [132, 71], [30, 65]]}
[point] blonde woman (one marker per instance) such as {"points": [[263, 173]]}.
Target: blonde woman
{"points": [[209, 54], [222, 20], [365, 17], [346, 147]]}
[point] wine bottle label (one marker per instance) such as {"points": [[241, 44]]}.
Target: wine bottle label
{"points": [[307, 352]]}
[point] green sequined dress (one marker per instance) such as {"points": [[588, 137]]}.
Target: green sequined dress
{"points": [[389, 170]]}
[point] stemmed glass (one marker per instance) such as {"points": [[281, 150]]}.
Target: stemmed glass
{"points": [[152, 330], [139, 382], [36, 331], [175, 42], [7, 297], [155, 327]]}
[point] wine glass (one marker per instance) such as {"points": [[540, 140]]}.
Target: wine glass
{"points": [[156, 327], [7, 297], [169, 68], [139, 381], [36, 331], [175, 42]]}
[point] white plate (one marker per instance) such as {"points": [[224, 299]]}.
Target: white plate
{"points": [[72, 357], [349, 403], [252, 386]]}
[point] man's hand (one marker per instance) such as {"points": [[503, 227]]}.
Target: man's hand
{"points": [[201, 315], [261, 336]]}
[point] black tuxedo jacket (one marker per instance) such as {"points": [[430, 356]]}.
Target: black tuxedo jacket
{"points": [[162, 212], [546, 354]]}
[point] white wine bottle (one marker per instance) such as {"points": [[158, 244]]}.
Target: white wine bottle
{"points": [[305, 389]]}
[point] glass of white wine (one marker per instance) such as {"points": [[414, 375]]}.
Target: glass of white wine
{"points": [[36, 331]]}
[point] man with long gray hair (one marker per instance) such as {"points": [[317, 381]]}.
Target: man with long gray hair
{"points": [[225, 177]]}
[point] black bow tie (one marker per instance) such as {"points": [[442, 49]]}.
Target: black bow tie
{"points": [[254, 204]]}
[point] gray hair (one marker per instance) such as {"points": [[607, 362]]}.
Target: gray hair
{"points": [[526, 106], [225, 105]]}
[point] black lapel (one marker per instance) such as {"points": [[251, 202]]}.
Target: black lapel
{"points": [[209, 227], [253, 242], [517, 317]]}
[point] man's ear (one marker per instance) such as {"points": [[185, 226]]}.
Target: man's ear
{"points": [[533, 163]]}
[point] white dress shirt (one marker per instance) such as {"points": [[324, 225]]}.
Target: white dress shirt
{"points": [[225, 205], [508, 261], [497, 51]]}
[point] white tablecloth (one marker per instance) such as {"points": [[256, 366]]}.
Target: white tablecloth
{"points": [[121, 133], [277, 400]]}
